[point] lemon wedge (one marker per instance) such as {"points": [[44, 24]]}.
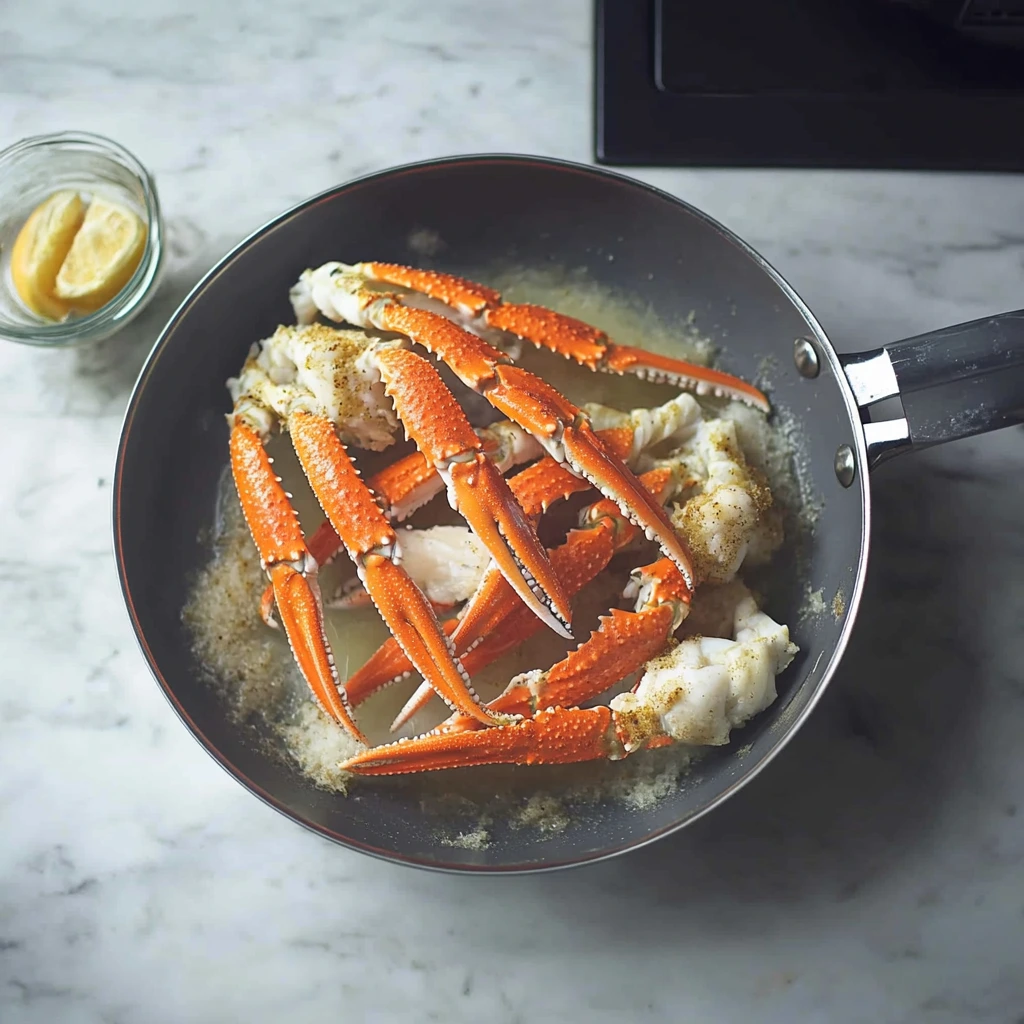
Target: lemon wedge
{"points": [[40, 249], [103, 256]]}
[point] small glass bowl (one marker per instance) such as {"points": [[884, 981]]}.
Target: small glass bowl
{"points": [[31, 171]]}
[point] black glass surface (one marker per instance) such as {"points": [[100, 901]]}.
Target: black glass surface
{"points": [[821, 46], [831, 83]]}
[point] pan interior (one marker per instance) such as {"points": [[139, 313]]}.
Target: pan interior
{"points": [[619, 237]]}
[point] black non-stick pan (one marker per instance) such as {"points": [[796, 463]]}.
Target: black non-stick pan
{"points": [[488, 211]]}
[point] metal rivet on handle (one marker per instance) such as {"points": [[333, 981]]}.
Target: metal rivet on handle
{"points": [[805, 355], [845, 465]]}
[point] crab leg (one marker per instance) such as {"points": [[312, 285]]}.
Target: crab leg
{"points": [[572, 338], [554, 734], [578, 560], [560, 426], [292, 571], [536, 489], [476, 488], [408, 484], [373, 546], [557, 736], [493, 614], [493, 609]]}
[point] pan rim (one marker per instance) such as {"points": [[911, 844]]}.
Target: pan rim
{"points": [[826, 351]]}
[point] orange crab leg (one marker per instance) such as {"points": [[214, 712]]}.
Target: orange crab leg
{"points": [[476, 488], [491, 613], [275, 529], [524, 398], [555, 734], [589, 346], [372, 544], [504, 626], [400, 489], [592, 348], [536, 489]]}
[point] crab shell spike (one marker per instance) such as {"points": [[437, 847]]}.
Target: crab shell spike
{"points": [[557, 736]]}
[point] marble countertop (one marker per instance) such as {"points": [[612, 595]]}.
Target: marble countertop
{"points": [[873, 873]]}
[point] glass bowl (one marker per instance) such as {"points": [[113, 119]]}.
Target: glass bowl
{"points": [[33, 169]]}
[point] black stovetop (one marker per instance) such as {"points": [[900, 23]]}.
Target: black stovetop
{"points": [[815, 83]]}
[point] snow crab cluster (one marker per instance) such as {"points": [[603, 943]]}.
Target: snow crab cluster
{"points": [[666, 475]]}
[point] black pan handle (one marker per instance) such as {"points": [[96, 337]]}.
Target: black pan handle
{"points": [[952, 383]]}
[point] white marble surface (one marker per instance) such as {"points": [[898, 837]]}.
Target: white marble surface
{"points": [[874, 873]]}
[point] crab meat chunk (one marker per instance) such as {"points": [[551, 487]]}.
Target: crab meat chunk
{"points": [[447, 562], [320, 370], [733, 510], [705, 687]]}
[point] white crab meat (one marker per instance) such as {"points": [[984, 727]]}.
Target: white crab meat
{"points": [[705, 687], [676, 420], [447, 562], [729, 515], [514, 445], [321, 370]]}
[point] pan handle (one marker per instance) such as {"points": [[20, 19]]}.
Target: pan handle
{"points": [[953, 383]]}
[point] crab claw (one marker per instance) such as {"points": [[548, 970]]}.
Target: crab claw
{"points": [[482, 497], [476, 488], [304, 626], [556, 736], [411, 620], [591, 459]]}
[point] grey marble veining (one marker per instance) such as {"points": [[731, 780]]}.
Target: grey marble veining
{"points": [[873, 873]]}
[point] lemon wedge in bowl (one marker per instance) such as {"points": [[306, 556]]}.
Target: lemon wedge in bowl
{"points": [[103, 256], [40, 249]]}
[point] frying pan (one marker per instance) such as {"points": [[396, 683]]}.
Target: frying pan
{"points": [[629, 237]]}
